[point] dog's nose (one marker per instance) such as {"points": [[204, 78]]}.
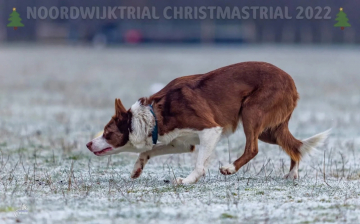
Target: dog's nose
{"points": [[88, 145]]}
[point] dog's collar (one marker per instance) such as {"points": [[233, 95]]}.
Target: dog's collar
{"points": [[155, 131]]}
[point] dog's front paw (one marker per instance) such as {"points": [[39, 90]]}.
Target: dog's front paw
{"points": [[178, 181], [136, 173], [228, 169], [138, 167], [185, 181]]}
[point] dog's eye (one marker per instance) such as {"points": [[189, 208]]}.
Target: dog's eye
{"points": [[107, 135]]}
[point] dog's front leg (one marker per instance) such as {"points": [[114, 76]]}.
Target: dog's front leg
{"points": [[159, 149], [139, 164], [208, 140]]}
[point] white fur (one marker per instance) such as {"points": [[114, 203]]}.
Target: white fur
{"points": [[187, 135], [208, 140], [294, 173], [99, 144], [142, 124], [174, 147], [229, 168], [310, 143]]}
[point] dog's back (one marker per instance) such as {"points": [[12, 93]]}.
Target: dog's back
{"points": [[218, 97]]}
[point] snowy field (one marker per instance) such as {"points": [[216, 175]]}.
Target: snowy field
{"points": [[53, 99]]}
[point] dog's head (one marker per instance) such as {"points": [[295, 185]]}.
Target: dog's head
{"points": [[116, 133]]}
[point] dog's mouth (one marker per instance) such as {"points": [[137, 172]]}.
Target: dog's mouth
{"points": [[102, 152]]}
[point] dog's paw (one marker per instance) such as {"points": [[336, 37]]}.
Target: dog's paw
{"points": [[136, 173], [228, 169], [178, 181], [184, 181], [291, 175], [139, 166]]}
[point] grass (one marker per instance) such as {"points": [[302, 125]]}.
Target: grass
{"points": [[227, 216], [74, 176], [7, 209]]}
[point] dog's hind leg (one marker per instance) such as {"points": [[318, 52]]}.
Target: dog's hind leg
{"points": [[269, 136], [208, 140], [291, 146], [159, 149], [295, 148], [294, 170]]}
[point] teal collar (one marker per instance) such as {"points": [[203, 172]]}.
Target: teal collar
{"points": [[155, 131]]}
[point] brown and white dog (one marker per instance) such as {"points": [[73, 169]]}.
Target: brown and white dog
{"points": [[199, 109]]}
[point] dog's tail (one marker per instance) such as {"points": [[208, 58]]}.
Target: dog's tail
{"points": [[295, 148], [310, 143]]}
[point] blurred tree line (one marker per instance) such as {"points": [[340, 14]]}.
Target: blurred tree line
{"points": [[189, 31]]}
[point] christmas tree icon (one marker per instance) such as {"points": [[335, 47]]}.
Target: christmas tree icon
{"points": [[15, 20], [342, 19]]}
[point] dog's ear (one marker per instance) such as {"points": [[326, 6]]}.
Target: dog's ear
{"points": [[119, 108]]}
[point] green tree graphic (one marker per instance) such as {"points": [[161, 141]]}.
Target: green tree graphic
{"points": [[15, 20], [342, 19]]}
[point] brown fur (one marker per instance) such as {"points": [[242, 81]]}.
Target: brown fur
{"points": [[116, 132], [258, 94]]}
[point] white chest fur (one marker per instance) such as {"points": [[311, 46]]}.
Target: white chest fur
{"points": [[188, 136]]}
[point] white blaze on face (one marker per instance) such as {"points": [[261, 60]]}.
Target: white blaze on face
{"points": [[99, 144]]}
